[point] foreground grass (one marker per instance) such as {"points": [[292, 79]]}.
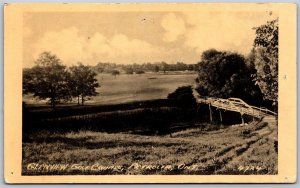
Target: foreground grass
{"points": [[248, 149]]}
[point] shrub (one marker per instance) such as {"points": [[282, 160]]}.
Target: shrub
{"points": [[115, 72], [183, 96], [140, 72], [129, 71]]}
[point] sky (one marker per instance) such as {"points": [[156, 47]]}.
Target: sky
{"points": [[137, 37]]}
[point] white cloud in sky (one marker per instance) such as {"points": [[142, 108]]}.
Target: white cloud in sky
{"points": [[220, 31], [174, 27], [66, 44], [185, 36], [71, 47]]}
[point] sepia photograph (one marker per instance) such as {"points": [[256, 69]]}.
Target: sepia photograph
{"points": [[150, 92]]}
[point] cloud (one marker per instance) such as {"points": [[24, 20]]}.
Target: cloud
{"points": [[66, 44], [185, 37], [174, 27], [72, 47], [223, 31], [125, 46]]}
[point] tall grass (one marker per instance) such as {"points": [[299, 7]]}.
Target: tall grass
{"points": [[191, 151]]}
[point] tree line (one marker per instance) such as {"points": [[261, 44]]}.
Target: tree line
{"points": [[253, 78], [221, 74], [51, 80], [142, 68]]}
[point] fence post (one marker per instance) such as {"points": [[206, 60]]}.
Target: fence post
{"points": [[198, 106], [242, 119], [210, 113], [221, 119]]}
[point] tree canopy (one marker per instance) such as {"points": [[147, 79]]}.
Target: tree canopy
{"points": [[115, 72], [225, 74], [82, 82], [266, 60], [51, 80], [47, 79]]}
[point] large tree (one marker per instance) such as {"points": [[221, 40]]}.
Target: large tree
{"points": [[83, 82], [225, 74], [266, 60], [47, 79]]}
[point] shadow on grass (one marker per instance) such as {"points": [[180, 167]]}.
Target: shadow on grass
{"points": [[87, 143]]}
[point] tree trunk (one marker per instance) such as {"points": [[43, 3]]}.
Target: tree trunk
{"points": [[78, 103], [210, 114], [243, 122], [52, 98], [82, 100], [221, 118], [53, 103]]}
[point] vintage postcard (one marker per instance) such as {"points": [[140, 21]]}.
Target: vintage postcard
{"points": [[150, 93]]}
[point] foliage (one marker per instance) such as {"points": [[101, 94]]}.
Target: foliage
{"points": [[184, 96], [165, 66], [50, 79], [224, 75], [83, 82], [140, 72], [47, 79], [129, 71], [250, 62], [146, 67], [266, 60], [115, 72]]}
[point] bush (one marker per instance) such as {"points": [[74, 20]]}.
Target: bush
{"points": [[140, 72], [129, 71], [183, 96], [115, 72]]}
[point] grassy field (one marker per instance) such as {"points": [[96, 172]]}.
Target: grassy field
{"points": [[248, 149], [115, 134], [136, 87]]}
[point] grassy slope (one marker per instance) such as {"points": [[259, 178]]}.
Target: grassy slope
{"points": [[222, 151]]}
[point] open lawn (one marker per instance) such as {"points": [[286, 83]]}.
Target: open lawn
{"points": [[202, 150], [136, 87]]}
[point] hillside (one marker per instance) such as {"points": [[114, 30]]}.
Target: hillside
{"points": [[201, 150]]}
